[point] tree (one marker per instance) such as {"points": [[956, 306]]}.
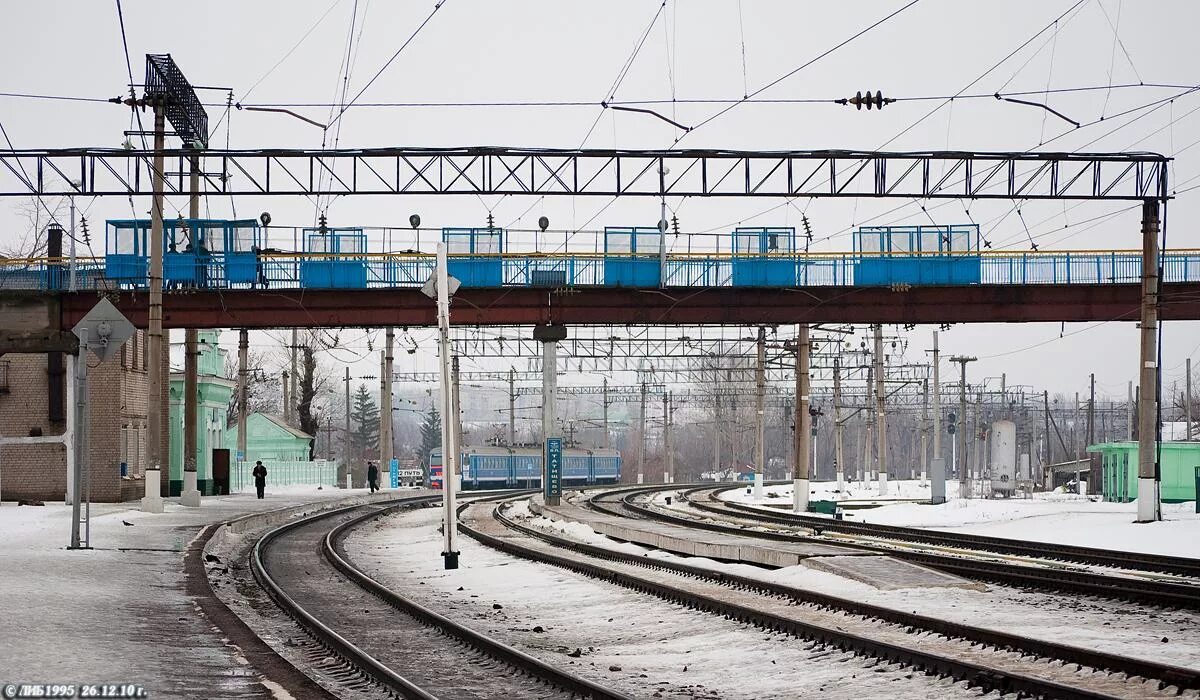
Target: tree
{"points": [[262, 389], [364, 419], [431, 434], [312, 380]]}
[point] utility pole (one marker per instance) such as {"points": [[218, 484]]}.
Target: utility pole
{"points": [[1093, 475], [1187, 402], [243, 360], [290, 409], [1149, 506], [604, 400], [386, 441], [449, 410], [803, 422], [760, 431], [924, 430], [1129, 413], [641, 472], [964, 488], [512, 407], [839, 454], [155, 342], [717, 435], [346, 434], [189, 494], [666, 438], [284, 386], [880, 411], [454, 389], [937, 479]]}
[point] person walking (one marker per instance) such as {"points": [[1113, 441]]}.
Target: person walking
{"points": [[373, 476], [260, 477]]}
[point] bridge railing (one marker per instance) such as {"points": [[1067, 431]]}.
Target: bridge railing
{"points": [[276, 270]]}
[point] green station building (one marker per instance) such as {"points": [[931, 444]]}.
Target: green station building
{"points": [[282, 449], [213, 392], [1178, 462]]}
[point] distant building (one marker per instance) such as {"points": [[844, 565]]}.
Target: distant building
{"points": [[270, 439], [1177, 471], [213, 392]]}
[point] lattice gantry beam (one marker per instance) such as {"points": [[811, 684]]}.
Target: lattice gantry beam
{"points": [[547, 172]]}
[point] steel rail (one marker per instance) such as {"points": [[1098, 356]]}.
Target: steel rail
{"points": [[1185, 566], [932, 664], [333, 550], [325, 634], [1181, 677], [1158, 593], [388, 678]]}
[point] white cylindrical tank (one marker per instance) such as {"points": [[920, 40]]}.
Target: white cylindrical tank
{"points": [[1002, 457]]}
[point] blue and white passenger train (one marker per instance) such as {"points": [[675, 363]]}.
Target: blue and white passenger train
{"points": [[491, 467]]}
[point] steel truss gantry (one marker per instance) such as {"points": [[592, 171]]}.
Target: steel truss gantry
{"points": [[483, 170]]}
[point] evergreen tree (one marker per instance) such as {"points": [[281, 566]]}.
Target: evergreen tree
{"points": [[364, 419], [431, 435]]}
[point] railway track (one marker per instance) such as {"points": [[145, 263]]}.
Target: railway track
{"points": [[1158, 563], [988, 659], [401, 648], [980, 566]]}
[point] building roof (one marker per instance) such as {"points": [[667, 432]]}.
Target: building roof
{"points": [[278, 420]]}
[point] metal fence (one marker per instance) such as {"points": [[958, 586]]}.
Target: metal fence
{"points": [[317, 473], [380, 270]]}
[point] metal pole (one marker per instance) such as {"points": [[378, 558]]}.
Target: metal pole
{"points": [[1093, 477], [388, 367], [604, 442], [670, 444], [449, 410], [880, 411], [189, 494], [80, 438], [346, 449], [1149, 506], [924, 430], [454, 390], [243, 360], [717, 437], [1128, 413], [666, 437], [838, 429], [760, 431], [641, 472], [155, 346], [290, 409], [1187, 402], [71, 279], [803, 422], [512, 408], [960, 442]]}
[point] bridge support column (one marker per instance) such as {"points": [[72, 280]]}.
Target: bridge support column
{"points": [[156, 344], [803, 423], [189, 494], [549, 335], [760, 434], [1149, 507]]}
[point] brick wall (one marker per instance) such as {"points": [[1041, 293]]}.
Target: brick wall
{"points": [[117, 391]]}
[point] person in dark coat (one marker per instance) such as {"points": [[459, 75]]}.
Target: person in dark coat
{"points": [[373, 476], [260, 477]]}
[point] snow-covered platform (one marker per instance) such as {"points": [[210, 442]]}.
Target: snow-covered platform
{"points": [[879, 571], [120, 613]]}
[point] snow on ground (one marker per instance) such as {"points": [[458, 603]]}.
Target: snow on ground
{"points": [[630, 641], [118, 613], [1047, 517], [1106, 625]]}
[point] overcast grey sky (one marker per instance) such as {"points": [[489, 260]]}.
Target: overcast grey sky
{"points": [[483, 51]]}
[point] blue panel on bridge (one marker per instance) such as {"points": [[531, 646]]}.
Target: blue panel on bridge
{"points": [[475, 252], [918, 270], [758, 257], [631, 256], [335, 258]]}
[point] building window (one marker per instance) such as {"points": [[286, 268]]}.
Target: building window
{"points": [[3, 376]]}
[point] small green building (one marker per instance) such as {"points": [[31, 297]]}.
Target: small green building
{"points": [[270, 439], [1177, 468], [213, 393]]}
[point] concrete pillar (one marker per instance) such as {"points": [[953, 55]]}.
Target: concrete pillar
{"points": [[189, 495], [760, 434], [549, 337], [155, 344], [803, 422], [880, 411], [1149, 507]]}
